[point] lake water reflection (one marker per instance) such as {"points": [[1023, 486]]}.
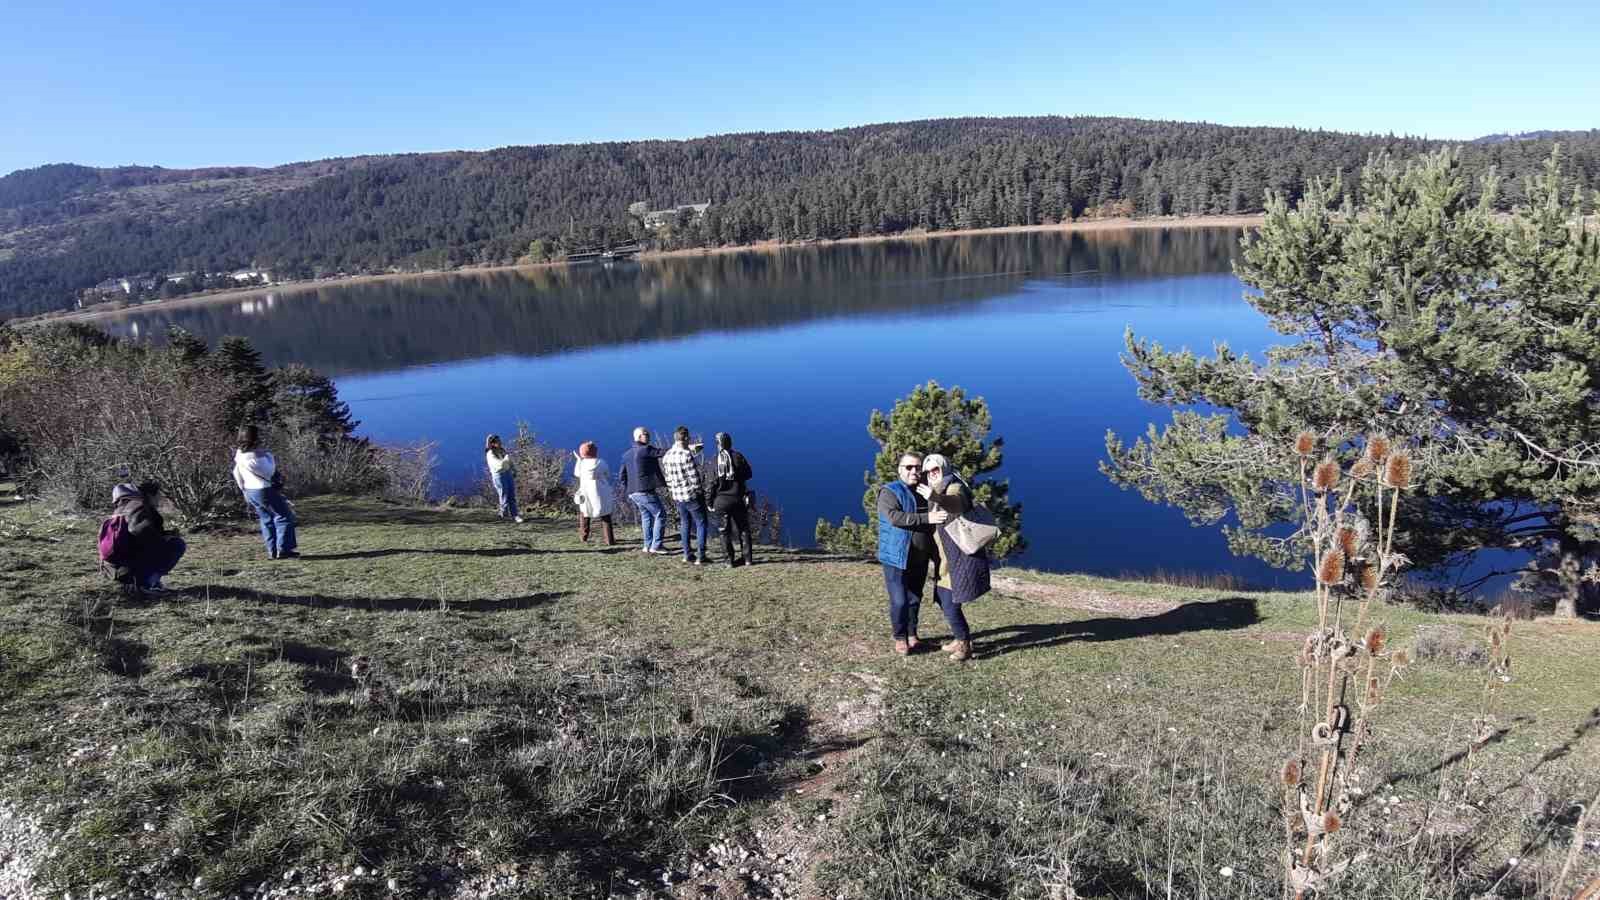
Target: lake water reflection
{"points": [[790, 351]]}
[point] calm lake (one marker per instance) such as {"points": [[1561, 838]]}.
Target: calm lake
{"points": [[790, 351]]}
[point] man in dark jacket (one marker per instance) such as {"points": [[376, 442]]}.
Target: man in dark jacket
{"points": [[906, 547], [640, 477], [152, 550]]}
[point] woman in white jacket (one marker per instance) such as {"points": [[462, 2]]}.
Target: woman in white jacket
{"points": [[504, 476], [255, 471], [594, 497]]}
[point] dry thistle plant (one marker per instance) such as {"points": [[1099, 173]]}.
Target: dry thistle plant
{"points": [[1496, 673], [1343, 664]]}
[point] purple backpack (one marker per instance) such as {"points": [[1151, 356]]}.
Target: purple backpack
{"points": [[116, 541]]}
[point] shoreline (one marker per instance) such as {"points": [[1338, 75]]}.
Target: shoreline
{"points": [[770, 246]]}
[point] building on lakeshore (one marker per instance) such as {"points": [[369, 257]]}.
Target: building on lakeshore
{"points": [[660, 218]]}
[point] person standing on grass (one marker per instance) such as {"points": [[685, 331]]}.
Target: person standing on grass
{"points": [[906, 547], [682, 467], [962, 578], [256, 473], [594, 491], [641, 477], [730, 499], [149, 551], [504, 476]]}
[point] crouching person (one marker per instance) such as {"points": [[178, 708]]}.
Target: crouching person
{"points": [[135, 541]]}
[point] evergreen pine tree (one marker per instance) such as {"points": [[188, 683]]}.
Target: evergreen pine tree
{"points": [[1467, 338]]}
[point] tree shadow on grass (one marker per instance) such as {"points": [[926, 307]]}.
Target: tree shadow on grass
{"points": [[400, 515], [394, 604], [1216, 615], [481, 552], [485, 552]]}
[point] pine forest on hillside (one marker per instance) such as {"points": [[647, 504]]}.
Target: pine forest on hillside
{"points": [[65, 228]]}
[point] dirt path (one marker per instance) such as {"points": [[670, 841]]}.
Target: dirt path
{"points": [[1079, 598]]}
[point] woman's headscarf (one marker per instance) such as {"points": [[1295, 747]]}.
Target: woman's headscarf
{"points": [[724, 455]]}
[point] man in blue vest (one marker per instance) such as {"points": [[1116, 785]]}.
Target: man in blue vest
{"points": [[906, 547]]}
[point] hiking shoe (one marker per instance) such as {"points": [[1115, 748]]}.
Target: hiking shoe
{"points": [[961, 652], [912, 644], [288, 554], [902, 648]]}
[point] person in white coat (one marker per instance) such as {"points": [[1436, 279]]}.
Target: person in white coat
{"points": [[594, 496], [256, 473]]}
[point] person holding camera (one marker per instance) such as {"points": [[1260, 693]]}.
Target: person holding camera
{"points": [[730, 500], [906, 546], [256, 473]]}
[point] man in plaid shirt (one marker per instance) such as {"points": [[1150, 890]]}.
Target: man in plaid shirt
{"points": [[681, 465]]}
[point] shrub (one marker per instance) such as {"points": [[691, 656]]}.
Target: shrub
{"points": [[408, 471]]}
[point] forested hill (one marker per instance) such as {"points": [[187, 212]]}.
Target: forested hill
{"points": [[64, 228]]}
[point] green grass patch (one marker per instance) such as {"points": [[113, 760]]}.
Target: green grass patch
{"points": [[434, 696]]}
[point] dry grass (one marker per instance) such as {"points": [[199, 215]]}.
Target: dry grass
{"points": [[537, 710]]}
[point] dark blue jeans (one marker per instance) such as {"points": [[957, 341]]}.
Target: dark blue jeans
{"points": [[160, 560], [692, 511], [953, 614], [505, 484], [277, 520], [905, 595], [652, 517]]}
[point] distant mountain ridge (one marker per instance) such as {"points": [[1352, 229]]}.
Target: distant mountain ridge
{"points": [[1589, 135], [65, 228]]}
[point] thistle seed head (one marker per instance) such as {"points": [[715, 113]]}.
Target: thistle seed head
{"points": [[1331, 569], [1397, 473], [1305, 443], [1369, 578], [1494, 638], [1331, 822], [1375, 640], [1377, 449], [1362, 469], [1290, 774], [1348, 541], [1325, 477], [1373, 691], [1400, 658]]}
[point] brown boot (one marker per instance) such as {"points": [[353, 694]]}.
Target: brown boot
{"points": [[583, 529], [962, 651], [611, 536]]}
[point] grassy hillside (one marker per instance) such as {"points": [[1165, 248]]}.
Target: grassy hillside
{"points": [[432, 700]]}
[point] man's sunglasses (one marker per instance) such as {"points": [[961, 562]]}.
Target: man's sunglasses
{"points": [[912, 468]]}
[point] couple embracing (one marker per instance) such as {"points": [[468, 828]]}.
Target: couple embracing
{"points": [[917, 517]]}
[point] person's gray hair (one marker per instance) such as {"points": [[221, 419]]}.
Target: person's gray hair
{"points": [[935, 461], [641, 435]]}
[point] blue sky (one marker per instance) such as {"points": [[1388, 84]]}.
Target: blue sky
{"points": [[182, 84]]}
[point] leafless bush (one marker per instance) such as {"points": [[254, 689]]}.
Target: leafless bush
{"points": [[408, 471], [313, 464], [541, 472], [1449, 645], [118, 416]]}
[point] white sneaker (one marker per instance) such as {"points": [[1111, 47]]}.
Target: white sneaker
{"points": [[519, 520]]}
